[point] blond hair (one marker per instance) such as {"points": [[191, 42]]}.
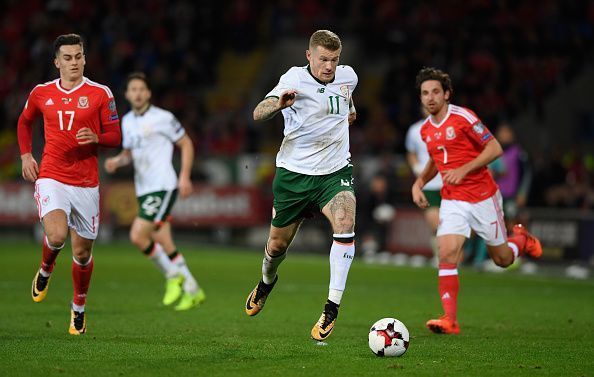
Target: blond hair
{"points": [[326, 39]]}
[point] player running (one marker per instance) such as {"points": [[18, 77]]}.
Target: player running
{"points": [[78, 116], [460, 147], [149, 134], [313, 170]]}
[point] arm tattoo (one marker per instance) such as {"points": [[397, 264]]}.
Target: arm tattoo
{"points": [[342, 212], [266, 109]]}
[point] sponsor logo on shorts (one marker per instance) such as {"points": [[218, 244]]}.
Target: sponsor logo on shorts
{"points": [[45, 201]]}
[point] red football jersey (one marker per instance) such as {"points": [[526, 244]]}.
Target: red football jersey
{"points": [[65, 112], [457, 140]]}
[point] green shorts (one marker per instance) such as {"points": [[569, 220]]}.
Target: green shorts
{"points": [[296, 195], [433, 197], [156, 206]]}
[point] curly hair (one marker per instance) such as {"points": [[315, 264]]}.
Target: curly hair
{"points": [[430, 73]]}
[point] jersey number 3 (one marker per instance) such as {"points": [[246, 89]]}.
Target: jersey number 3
{"points": [[70, 115]]}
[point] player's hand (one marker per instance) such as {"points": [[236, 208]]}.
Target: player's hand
{"points": [[288, 98], [454, 176], [185, 187], [86, 136], [30, 167], [419, 197], [352, 118], [111, 165]]}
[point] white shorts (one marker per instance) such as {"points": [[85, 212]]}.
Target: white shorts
{"points": [[485, 218], [81, 204]]}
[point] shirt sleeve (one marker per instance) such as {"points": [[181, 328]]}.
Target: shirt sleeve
{"points": [[287, 81], [479, 133], [174, 130], [110, 135], [108, 111], [25, 123]]}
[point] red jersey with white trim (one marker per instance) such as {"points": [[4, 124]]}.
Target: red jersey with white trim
{"points": [[65, 112], [457, 140]]}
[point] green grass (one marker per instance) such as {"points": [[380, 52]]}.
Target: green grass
{"points": [[512, 325]]}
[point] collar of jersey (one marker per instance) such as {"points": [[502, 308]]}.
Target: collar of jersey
{"points": [[144, 112], [84, 79], [319, 81], [443, 120]]}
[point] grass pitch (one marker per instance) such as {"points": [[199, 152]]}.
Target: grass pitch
{"points": [[512, 325]]}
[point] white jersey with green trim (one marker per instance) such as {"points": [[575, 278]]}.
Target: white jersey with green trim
{"points": [[150, 137], [316, 130]]}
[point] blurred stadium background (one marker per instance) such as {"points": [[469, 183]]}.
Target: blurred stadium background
{"points": [[529, 63]]}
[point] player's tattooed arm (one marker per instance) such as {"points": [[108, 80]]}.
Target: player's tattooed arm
{"points": [[272, 105], [340, 210]]}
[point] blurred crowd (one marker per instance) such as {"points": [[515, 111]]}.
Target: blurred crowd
{"points": [[504, 57]]}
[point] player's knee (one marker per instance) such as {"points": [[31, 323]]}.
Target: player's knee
{"points": [[448, 255], [277, 246], [56, 239], [503, 261], [137, 238]]}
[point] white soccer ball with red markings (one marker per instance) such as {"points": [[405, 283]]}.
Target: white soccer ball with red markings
{"points": [[388, 337]]}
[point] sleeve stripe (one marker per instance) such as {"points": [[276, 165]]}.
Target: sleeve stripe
{"points": [[464, 113], [107, 90]]}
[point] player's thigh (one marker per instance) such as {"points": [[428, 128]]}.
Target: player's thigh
{"points": [[487, 220], [141, 230], [54, 208], [292, 198], [82, 247], [279, 239], [450, 247], [454, 218], [335, 195], [340, 211], [84, 217]]}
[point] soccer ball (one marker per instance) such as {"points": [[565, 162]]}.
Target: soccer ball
{"points": [[388, 337]]}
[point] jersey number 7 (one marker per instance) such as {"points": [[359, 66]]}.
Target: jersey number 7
{"points": [[445, 153]]}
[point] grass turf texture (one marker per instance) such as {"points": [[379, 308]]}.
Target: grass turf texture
{"points": [[512, 325]]}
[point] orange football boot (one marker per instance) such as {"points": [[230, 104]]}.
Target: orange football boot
{"points": [[443, 325], [532, 247]]}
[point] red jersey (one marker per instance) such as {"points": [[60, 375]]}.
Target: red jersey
{"points": [[457, 140], [65, 112]]}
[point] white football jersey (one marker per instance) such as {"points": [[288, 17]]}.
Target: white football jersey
{"points": [[150, 138], [316, 130], [415, 144]]}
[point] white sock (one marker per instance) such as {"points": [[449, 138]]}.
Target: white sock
{"points": [[270, 266], [514, 249], [341, 257], [78, 308], [190, 284], [162, 261]]}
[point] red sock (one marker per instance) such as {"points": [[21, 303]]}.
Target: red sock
{"points": [[448, 288], [81, 277], [48, 256], [519, 241]]}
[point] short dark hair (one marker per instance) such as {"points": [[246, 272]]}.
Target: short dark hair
{"points": [[138, 76], [430, 73], [67, 40]]}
